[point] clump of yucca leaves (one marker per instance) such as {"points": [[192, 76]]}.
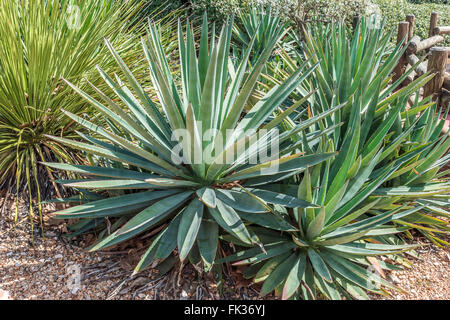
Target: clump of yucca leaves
{"points": [[380, 143], [42, 42], [259, 23], [358, 62], [353, 62], [196, 198]]}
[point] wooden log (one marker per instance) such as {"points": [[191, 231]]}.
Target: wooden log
{"points": [[410, 18], [415, 46], [446, 84], [403, 29], [442, 30], [433, 23], [402, 37], [437, 65], [421, 69], [410, 78]]}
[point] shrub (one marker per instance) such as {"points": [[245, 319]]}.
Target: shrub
{"points": [[396, 11], [312, 227]]}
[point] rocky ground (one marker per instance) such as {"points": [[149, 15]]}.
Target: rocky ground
{"points": [[56, 268]]}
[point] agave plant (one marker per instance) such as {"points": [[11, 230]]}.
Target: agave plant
{"points": [[333, 250], [173, 150], [43, 41], [336, 242]]}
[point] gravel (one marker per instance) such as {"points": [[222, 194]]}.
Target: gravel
{"points": [[427, 279], [56, 268]]}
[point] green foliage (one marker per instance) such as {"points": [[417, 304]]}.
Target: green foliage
{"points": [[379, 141], [41, 44], [429, 1], [396, 11], [259, 23], [357, 165]]}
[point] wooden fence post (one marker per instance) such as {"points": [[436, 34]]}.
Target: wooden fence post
{"points": [[402, 37], [410, 18], [433, 23], [437, 65]]}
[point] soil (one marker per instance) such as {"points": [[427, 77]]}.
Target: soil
{"points": [[56, 268]]}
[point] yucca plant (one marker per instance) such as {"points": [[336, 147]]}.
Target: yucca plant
{"points": [[260, 23], [422, 182], [41, 42], [329, 254], [190, 188], [363, 61]]}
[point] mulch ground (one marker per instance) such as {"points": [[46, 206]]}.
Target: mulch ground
{"points": [[56, 268]]}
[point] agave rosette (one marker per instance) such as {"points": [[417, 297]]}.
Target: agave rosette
{"points": [[191, 199], [335, 243]]}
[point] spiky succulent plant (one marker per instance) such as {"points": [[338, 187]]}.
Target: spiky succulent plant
{"points": [[170, 152], [379, 139]]}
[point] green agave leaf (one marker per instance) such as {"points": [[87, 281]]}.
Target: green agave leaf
{"points": [[101, 171], [269, 266], [295, 276], [268, 220], [115, 155], [114, 206], [208, 197], [280, 198], [279, 274], [171, 183], [189, 227], [426, 190], [367, 250], [355, 273], [273, 251], [316, 226], [108, 184], [319, 265], [228, 219], [207, 240], [153, 214], [168, 241], [149, 255], [281, 165], [240, 201]]}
